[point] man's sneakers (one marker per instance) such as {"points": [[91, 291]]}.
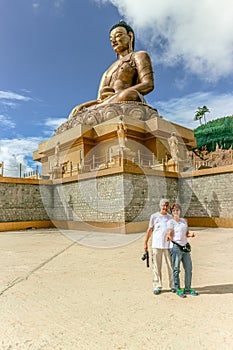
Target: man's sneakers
{"points": [[157, 291], [190, 291]]}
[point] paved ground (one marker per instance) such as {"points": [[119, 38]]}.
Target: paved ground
{"points": [[64, 292]]}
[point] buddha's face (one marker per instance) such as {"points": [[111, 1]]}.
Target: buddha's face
{"points": [[120, 39]]}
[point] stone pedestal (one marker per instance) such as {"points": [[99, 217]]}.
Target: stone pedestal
{"points": [[112, 185], [86, 141]]}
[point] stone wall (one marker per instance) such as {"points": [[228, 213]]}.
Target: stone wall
{"points": [[117, 198], [122, 197], [96, 199], [21, 201], [143, 193], [211, 195]]}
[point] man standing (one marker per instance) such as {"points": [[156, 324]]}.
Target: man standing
{"points": [[160, 245]]}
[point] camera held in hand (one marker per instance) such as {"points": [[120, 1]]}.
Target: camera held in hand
{"points": [[146, 257]]}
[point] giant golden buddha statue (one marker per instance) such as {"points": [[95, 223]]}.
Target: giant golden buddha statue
{"points": [[127, 79]]}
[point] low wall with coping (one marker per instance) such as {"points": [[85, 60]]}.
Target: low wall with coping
{"points": [[118, 200], [121, 201], [211, 203], [21, 204]]}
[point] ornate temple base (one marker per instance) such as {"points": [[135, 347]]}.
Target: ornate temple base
{"points": [[102, 179], [99, 114], [90, 140]]}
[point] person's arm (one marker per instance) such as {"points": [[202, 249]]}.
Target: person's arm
{"points": [[148, 235], [170, 235], [190, 234]]}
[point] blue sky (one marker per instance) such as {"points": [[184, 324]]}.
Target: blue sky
{"points": [[53, 54]]}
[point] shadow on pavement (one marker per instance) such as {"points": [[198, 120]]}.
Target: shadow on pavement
{"points": [[217, 289]]}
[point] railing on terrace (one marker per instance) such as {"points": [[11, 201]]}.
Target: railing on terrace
{"points": [[96, 163], [17, 171]]}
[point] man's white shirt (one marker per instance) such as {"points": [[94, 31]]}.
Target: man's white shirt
{"points": [[159, 224]]}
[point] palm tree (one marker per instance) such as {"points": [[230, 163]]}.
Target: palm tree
{"points": [[204, 110], [198, 116], [201, 111]]}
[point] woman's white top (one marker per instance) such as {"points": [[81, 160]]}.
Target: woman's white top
{"points": [[180, 230]]}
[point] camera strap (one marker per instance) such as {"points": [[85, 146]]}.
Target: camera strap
{"points": [[180, 246], [184, 248]]}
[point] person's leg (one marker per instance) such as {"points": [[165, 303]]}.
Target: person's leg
{"points": [[157, 255], [176, 257], [187, 263], [168, 260]]}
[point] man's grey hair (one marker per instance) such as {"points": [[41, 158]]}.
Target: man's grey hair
{"points": [[163, 201]]}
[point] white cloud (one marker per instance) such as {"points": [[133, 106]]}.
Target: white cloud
{"points": [[51, 124], [57, 4], [14, 152], [35, 5], [197, 34], [8, 95], [8, 104], [54, 122], [9, 100], [6, 122], [182, 110]]}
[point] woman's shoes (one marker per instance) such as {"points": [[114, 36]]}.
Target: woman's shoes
{"points": [[190, 291], [180, 293]]}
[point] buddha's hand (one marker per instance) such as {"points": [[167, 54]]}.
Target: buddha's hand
{"points": [[81, 107], [106, 92]]}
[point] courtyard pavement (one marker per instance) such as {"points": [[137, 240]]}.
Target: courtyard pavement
{"points": [[62, 290]]}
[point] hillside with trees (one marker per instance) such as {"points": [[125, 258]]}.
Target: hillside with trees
{"points": [[216, 132]]}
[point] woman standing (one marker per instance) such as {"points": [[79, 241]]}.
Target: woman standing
{"points": [[177, 234]]}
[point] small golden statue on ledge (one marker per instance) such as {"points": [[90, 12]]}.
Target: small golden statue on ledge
{"points": [[173, 143], [121, 132], [127, 79]]}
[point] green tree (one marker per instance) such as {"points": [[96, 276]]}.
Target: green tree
{"points": [[197, 116], [200, 113], [218, 131]]}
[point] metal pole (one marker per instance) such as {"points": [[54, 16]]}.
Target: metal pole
{"points": [[139, 157], [153, 159], [2, 165], [71, 168], [110, 154]]}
